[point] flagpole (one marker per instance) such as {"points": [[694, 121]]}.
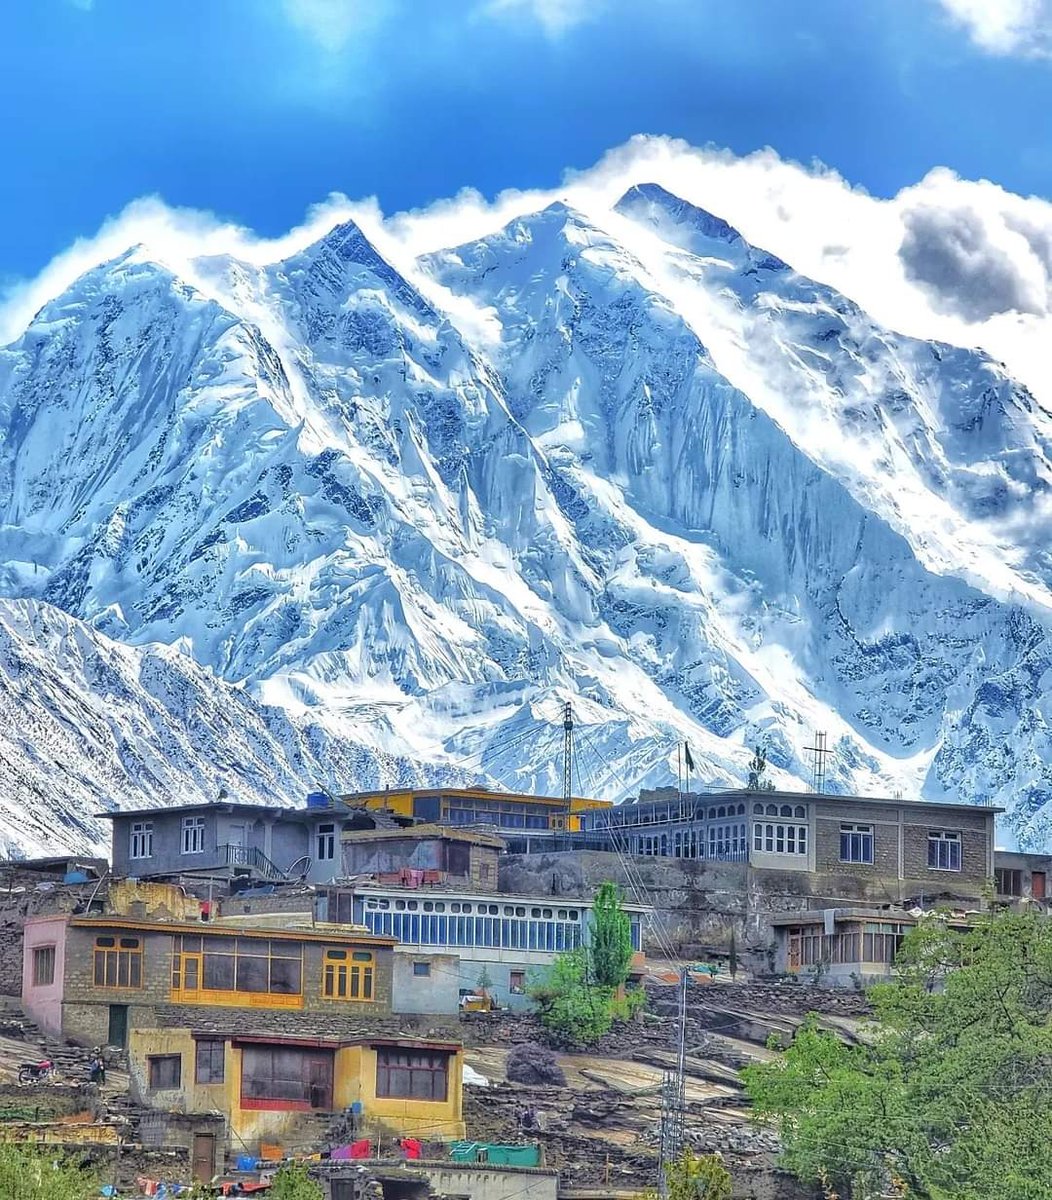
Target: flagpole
{"points": [[679, 773]]}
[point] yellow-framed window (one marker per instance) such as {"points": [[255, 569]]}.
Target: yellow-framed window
{"points": [[118, 961], [348, 975]]}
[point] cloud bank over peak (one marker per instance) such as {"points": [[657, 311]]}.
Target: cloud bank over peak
{"points": [[956, 260]]}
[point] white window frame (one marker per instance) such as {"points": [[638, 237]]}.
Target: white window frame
{"points": [[943, 841], [786, 839], [325, 840], [859, 836], [193, 835], [140, 840]]}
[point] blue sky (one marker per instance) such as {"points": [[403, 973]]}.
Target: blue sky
{"points": [[256, 109]]}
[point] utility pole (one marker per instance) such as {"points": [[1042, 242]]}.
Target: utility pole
{"points": [[674, 1096], [567, 759]]}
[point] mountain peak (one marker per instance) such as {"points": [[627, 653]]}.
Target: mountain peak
{"points": [[345, 251], [650, 202]]}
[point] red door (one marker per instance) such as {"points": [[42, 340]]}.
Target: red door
{"points": [[1037, 885]]}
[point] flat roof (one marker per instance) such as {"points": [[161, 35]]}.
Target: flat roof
{"points": [[444, 893], [901, 916], [292, 811], [805, 797], [215, 929], [478, 793], [451, 833]]}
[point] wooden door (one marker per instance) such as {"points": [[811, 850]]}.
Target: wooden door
{"points": [[1037, 885], [203, 1162], [117, 1034], [319, 1079]]}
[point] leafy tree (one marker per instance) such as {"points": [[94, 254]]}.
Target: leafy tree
{"points": [[696, 1177], [757, 771], [569, 1005], [29, 1173], [581, 995], [949, 1097], [292, 1182], [611, 938]]}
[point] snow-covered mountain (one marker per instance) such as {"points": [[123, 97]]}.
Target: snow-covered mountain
{"points": [[88, 724], [658, 473]]}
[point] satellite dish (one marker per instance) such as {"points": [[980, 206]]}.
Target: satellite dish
{"points": [[300, 869]]}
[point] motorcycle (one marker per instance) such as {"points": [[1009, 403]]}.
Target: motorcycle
{"points": [[36, 1072]]}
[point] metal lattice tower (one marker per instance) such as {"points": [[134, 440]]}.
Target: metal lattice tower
{"points": [[674, 1096], [567, 756], [818, 767]]}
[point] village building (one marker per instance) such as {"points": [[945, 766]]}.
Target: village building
{"points": [[846, 947], [230, 842], [493, 936], [423, 854], [504, 811], [890, 849], [1020, 878], [281, 1090], [94, 978]]}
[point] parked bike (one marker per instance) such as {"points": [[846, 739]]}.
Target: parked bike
{"points": [[36, 1072]]}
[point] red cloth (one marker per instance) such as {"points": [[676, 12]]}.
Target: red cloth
{"points": [[361, 1148], [411, 1147]]}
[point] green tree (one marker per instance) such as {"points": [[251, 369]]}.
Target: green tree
{"points": [[293, 1183], [28, 1173], [569, 1005], [949, 1096], [610, 947], [698, 1177], [757, 772]]}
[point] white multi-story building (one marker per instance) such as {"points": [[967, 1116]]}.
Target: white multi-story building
{"points": [[503, 938]]}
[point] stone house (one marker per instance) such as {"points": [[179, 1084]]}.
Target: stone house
{"points": [[226, 841], [282, 1089], [426, 853], [846, 846], [1021, 877], [94, 978]]}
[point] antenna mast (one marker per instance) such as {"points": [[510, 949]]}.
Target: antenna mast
{"points": [[818, 767], [567, 757]]}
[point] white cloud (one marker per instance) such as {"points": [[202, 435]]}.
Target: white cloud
{"points": [[960, 261], [1021, 27], [332, 23], [554, 16]]}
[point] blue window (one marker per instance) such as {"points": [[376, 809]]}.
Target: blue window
{"points": [[944, 850], [856, 843]]}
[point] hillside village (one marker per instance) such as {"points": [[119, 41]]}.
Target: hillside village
{"points": [[342, 983]]}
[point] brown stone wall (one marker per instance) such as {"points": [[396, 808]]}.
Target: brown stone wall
{"points": [[85, 1012], [335, 1025], [484, 866], [973, 873], [885, 847]]}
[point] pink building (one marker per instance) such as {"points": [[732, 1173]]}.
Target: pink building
{"points": [[43, 964]]}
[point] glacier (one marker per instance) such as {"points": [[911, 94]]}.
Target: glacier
{"points": [[657, 473]]}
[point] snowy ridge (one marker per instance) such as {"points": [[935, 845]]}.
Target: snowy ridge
{"points": [[87, 725], [697, 493]]}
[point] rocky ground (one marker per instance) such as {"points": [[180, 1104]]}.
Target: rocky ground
{"points": [[602, 1128]]}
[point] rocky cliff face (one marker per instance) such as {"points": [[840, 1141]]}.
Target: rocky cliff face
{"points": [[674, 481]]}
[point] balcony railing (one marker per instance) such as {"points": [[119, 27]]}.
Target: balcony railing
{"points": [[248, 856]]}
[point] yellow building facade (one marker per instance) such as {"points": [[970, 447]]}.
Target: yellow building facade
{"points": [[270, 1090], [510, 811]]}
